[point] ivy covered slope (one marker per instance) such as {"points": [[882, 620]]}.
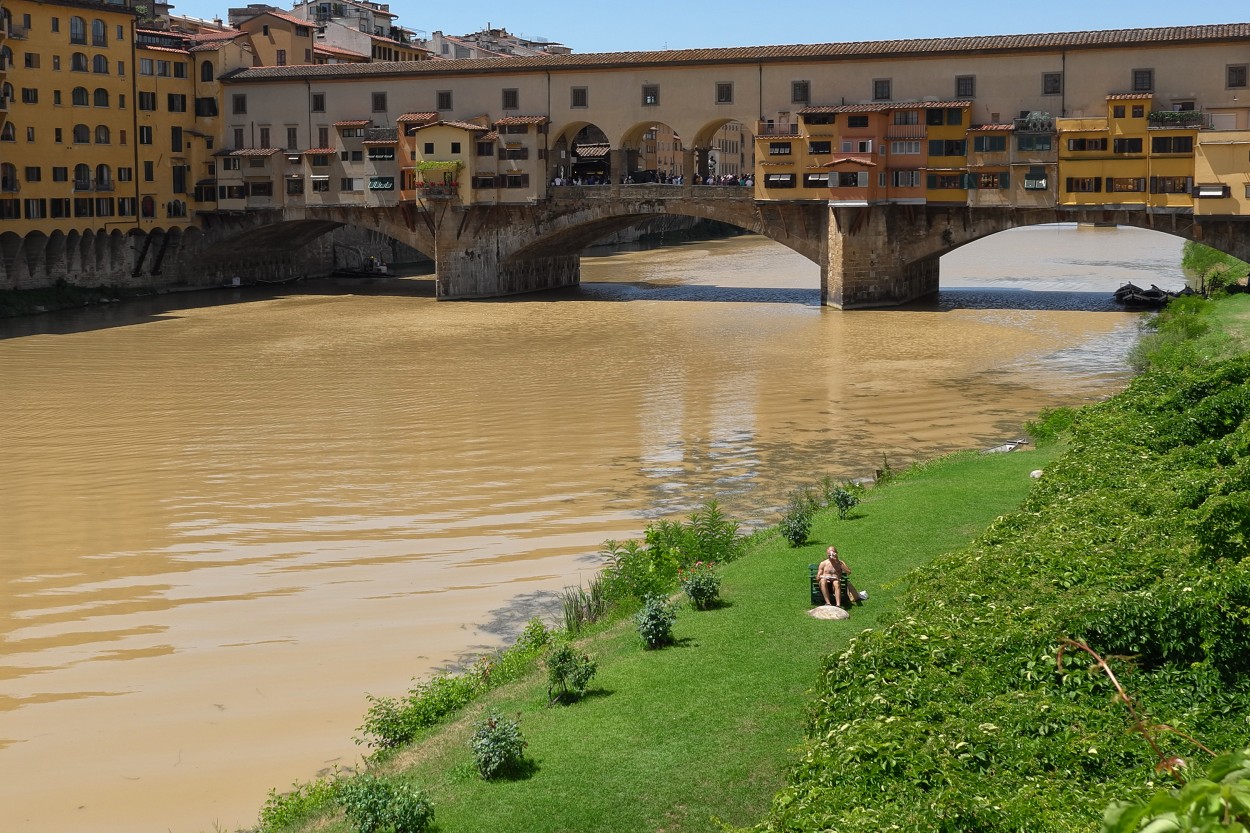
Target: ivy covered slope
{"points": [[956, 716]]}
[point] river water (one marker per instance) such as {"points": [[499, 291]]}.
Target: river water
{"points": [[224, 522]]}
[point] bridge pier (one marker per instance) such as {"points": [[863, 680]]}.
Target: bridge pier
{"points": [[871, 257], [493, 262]]}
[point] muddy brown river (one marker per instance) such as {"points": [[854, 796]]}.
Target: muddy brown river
{"points": [[228, 515]]}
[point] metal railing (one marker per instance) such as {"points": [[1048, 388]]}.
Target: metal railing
{"points": [[1034, 124], [767, 129], [1178, 118]]}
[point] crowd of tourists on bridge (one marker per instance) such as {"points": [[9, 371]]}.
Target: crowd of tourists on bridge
{"points": [[661, 178]]}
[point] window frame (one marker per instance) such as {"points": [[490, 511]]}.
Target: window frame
{"points": [[882, 89], [965, 86], [650, 95]]}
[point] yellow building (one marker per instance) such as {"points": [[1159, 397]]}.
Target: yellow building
{"points": [[946, 171], [279, 39], [1222, 174], [67, 143]]}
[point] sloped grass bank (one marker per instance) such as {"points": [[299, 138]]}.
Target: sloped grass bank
{"points": [[956, 716], [674, 739]]}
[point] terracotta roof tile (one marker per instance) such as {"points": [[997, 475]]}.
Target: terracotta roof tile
{"points": [[522, 120], [1130, 96], [282, 16], [318, 151], [854, 160], [592, 151], [380, 142], [353, 123], [489, 137], [248, 152], [325, 49], [990, 127], [410, 117], [162, 48], [1232, 32], [463, 125], [880, 107]]}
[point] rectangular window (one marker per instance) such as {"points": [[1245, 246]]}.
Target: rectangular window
{"points": [[856, 121], [1033, 143], [60, 206], [881, 89], [319, 160], [1126, 145], [815, 180], [147, 101], [483, 181], [121, 66], [778, 180], [33, 174], [443, 98], [264, 137], [1125, 185], [281, 57], [954, 116], [180, 69], [857, 145], [1084, 185], [1087, 144], [1170, 184], [819, 148], [318, 102], [905, 179], [989, 144], [485, 148], [36, 209], [1236, 76], [992, 181], [30, 95], [348, 183], [579, 97], [514, 153], [906, 117], [230, 163], [948, 147], [323, 137], [292, 138], [938, 182], [724, 93], [1143, 80], [850, 179], [1052, 83], [800, 92], [428, 148], [56, 24], [379, 102], [515, 181], [261, 189], [906, 147], [1035, 179], [162, 69], [1118, 111], [455, 147], [650, 95], [321, 184], [778, 148], [1139, 111], [965, 86], [206, 106], [31, 60], [934, 117], [175, 139], [295, 185], [511, 99], [149, 171], [238, 104], [177, 103], [1212, 191], [379, 154], [125, 174], [145, 134], [1171, 144], [83, 206], [60, 174]]}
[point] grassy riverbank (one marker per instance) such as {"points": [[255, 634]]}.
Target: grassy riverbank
{"points": [[672, 739]]}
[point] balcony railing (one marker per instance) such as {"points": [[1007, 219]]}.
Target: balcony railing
{"points": [[10, 186], [1035, 124], [18, 32], [381, 134], [905, 131], [767, 129], [1178, 118]]}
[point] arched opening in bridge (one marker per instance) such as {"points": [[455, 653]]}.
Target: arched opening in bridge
{"points": [[1058, 266], [581, 155]]}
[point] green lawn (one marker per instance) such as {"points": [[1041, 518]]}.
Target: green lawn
{"points": [[673, 739]]}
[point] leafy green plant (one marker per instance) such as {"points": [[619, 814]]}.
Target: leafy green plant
{"points": [[796, 523], [844, 499], [701, 583], [568, 673], [377, 805], [718, 535], [583, 606], [1217, 803], [633, 570], [497, 744], [391, 722], [1050, 425], [301, 803], [886, 473], [655, 622]]}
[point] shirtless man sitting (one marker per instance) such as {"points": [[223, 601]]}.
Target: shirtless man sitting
{"points": [[835, 572]]}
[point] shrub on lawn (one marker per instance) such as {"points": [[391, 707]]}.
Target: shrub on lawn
{"points": [[568, 673], [655, 622], [497, 744], [374, 804], [796, 523], [701, 583]]}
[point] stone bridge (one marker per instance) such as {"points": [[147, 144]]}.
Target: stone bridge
{"points": [[870, 256]]}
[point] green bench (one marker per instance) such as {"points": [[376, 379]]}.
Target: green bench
{"points": [[817, 597]]}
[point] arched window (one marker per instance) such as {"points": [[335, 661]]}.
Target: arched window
{"points": [[77, 30], [8, 176], [80, 97], [99, 34], [6, 58], [82, 177], [78, 62], [102, 134], [100, 64], [8, 132], [103, 178], [82, 134], [147, 207], [6, 92], [101, 97], [206, 71]]}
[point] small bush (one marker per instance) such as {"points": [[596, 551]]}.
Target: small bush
{"points": [[534, 636], [584, 606], [302, 803], [568, 673], [374, 804], [719, 536], [886, 473], [497, 744], [635, 571], [701, 584], [655, 622], [844, 500], [796, 523], [391, 722]]}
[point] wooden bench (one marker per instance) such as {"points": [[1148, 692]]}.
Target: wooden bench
{"points": [[818, 598]]}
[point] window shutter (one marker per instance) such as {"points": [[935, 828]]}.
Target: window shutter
{"points": [[968, 181], [1068, 185], [1004, 180], [936, 147], [861, 180], [1098, 184], [1154, 185], [932, 182], [1189, 185]]}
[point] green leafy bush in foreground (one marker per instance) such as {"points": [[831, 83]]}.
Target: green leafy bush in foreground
{"points": [[497, 744], [1218, 803], [957, 717], [303, 802], [655, 622], [568, 673], [377, 805]]}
